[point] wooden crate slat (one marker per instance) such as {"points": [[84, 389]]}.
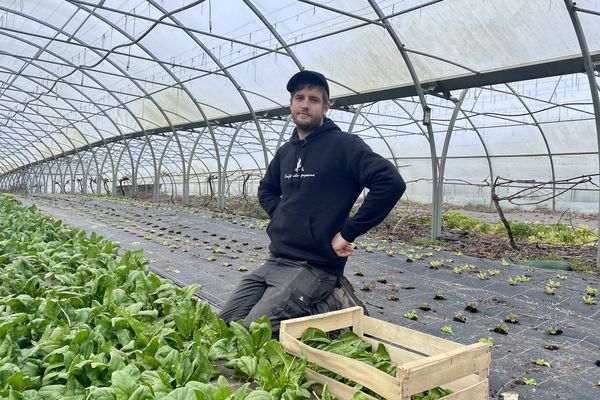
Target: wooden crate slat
{"points": [[464, 383], [357, 322], [426, 361], [437, 370], [340, 390], [357, 371], [478, 391], [409, 338], [330, 321], [397, 355]]}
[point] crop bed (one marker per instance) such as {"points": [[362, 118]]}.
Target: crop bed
{"points": [[79, 321], [397, 281]]}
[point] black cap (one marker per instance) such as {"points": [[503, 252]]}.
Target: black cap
{"points": [[307, 76]]}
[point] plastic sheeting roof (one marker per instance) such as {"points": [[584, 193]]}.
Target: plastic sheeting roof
{"points": [[205, 80]]}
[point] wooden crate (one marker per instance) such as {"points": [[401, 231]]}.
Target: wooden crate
{"points": [[423, 361]]}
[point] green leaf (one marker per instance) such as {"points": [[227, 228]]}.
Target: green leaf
{"points": [[204, 370], [223, 391], [221, 350], [7, 348], [259, 395], [183, 322], [202, 390], [432, 394], [315, 337], [241, 393], [125, 382], [152, 347], [182, 393], [244, 340], [295, 370], [246, 365], [20, 303], [275, 353], [119, 323], [168, 357], [117, 296], [6, 371], [10, 321], [325, 395], [51, 392], [158, 381], [266, 375], [117, 360], [348, 343], [100, 393], [261, 332], [142, 393]]}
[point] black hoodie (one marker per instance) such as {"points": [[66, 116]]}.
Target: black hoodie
{"points": [[310, 187]]}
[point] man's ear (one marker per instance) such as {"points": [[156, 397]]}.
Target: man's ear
{"points": [[326, 107]]}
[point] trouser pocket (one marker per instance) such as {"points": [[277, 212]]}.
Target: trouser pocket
{"points": [[308, 289]]}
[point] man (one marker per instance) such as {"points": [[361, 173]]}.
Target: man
{"points": [[308, 191]]}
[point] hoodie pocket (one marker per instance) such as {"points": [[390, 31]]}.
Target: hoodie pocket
{"points": [[321, 236], [299, 237]]}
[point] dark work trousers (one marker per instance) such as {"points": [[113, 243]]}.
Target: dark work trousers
{"points": [[281, 289]]}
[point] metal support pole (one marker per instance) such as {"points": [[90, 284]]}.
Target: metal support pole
{"points": [[134, 185], [99, 184], [422, 100], [84, 181], [185, 195], [436, 221], [113, 189], [156, 186], [589, 69]]}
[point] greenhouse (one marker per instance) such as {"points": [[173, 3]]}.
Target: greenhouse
{"points": [[148, 126]]}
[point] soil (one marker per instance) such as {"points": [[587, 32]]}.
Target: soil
{"points": [[411, 222], [400, 227]]}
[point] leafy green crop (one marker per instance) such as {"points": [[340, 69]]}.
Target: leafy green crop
{"points": [[351, 345], [554, 233], [80, 322]]}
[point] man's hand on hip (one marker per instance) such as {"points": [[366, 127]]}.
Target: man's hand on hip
{"points": [[342, 247]]}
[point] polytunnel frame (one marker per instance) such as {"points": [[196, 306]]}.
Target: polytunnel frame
{"points": [[269, 26], [36, 123], [30, 61], [134, 41], [47, 119], [192, 150], [437, 198], [358, 112], [146, 95], [437, 191], [127, 147], [74, 87], [222, 68], [458, 108], [363, 24], [221, 182], [210, 54], [120, 151]]}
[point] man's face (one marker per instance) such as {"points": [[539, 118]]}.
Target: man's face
{"points": [[308, 108]]}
